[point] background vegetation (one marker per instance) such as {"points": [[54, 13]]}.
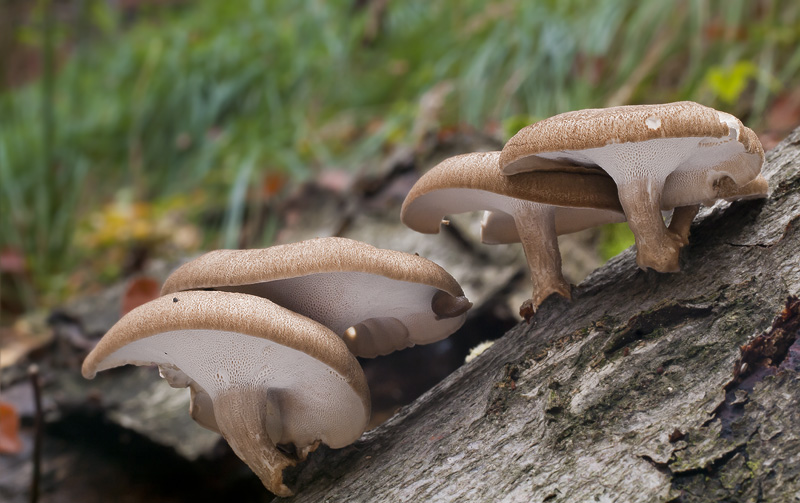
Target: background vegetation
{"points": [[153, 123]]}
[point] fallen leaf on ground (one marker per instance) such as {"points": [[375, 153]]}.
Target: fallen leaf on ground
{"points": [[139, 291], [10, 443], [12, 261]]}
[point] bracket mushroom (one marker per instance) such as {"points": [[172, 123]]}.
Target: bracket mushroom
{"points": [[533, 208], [377, 300], [640, 147], [260, 375]]}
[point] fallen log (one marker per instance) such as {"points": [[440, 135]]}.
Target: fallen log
{"points": [[647, 387]]}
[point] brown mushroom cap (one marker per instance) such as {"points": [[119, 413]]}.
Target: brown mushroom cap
{"points": [[542, 145], [377, 300], [641, 147], [532, 208], [265, 375], [471, 182]]}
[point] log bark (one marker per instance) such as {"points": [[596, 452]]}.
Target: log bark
{"points": [[647, 387]]}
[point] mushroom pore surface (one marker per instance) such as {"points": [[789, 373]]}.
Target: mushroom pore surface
{"points": [[304, 400], [499, 227], [385, 314], [658, 158]]}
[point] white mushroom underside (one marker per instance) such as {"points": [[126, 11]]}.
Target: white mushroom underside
{"points": [[498, 227], [386, 314], [440, 203], [325, 407], [658, 158]]}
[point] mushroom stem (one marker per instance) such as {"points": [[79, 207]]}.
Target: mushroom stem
{"points": [[681, 221], [241, 417], [537, 231], [656, 247]]}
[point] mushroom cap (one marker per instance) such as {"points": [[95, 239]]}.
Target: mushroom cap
{"points": [[216, 342], [472, 182], [377, 300], [700, 137]]}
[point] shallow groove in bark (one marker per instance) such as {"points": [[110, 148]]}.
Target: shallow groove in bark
{"points": [[661, 317]]}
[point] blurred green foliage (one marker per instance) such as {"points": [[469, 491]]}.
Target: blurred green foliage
{"points": [[614, 239], [167, 99]]}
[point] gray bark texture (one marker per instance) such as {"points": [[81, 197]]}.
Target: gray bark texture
{"points": [[647, 387]]}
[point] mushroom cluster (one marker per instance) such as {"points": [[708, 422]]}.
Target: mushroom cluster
{"points": [[378, 301], [591, 167], [266, 340]]}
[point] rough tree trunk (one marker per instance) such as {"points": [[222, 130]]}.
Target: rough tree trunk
{"points": [[633, 392]]}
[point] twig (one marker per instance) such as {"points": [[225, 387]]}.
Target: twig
{"points": [[33, 373]]}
